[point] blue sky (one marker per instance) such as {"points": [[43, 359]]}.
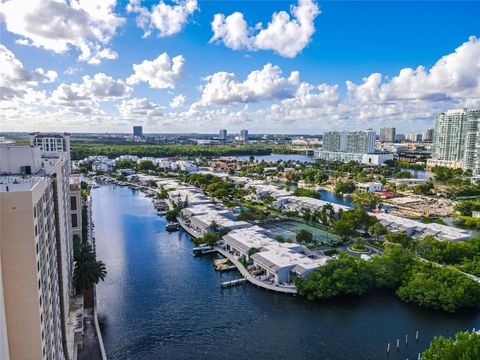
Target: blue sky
{"points": [[336, 42]]}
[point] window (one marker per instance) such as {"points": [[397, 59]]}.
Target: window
{"points": [[74, 221], [73, 203]]}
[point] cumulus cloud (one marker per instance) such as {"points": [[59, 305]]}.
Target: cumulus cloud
{"points": [[15, 79], [454, 76], [286, 34], [161, 73], [139, 108], [265, 84], [178, 101], [89, 92], [58, 26], [167, 19]]}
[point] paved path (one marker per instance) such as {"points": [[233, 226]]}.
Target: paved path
{"points": [[252, 279], [91, 348]]}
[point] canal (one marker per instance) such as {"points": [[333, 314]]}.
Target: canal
{"points": [[159, 302]]}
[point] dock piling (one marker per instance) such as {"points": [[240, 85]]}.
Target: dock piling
{"points": [[398, 344], [416, 336]]}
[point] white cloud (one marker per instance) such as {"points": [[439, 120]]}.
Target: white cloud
{"points": [[161, 73], [167, 19], [286, 34], [15, 79], [57, 25], [177, 101], [90, 92], [266, 84], [139, 108], [454, 76]]}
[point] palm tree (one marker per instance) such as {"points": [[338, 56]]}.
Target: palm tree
{"points": [[330, 213], [88, 270], [214, 226]]}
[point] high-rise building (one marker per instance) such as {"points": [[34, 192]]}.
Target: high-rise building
{"points": [[52, 144], [387, 134], [413, 137], [427, 135], [399, 137], [351, 146], [35, 251], [244, 135], [455, 139], [222, 135], [334, 141], [360, 142], [138, 131]]}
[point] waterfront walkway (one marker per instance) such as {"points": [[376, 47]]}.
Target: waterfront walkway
{"points": [[251, 279]]}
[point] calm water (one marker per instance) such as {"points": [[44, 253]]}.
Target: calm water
{"points": [[275, 157], [159, 302]]}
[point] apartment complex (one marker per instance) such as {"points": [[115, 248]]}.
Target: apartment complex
{"points": [[137, 131], [222, 135], [348, 146], [427, 135], [243, 136], [456, 140], [387, 134], [35, 251]]}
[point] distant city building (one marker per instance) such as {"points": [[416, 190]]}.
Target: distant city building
{"points": [[455, 140], [361, 141], [36, 248], [427, 135], [413, 137], [351, 146], [334, 141], [223, 135], [243, 135], [138, 131], [399, 137], [387, 134]]}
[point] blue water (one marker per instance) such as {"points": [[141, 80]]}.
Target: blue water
{"points": [[275, 157], [330, 196], [159, 302]]}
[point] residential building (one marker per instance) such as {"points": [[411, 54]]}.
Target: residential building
{"points": [[36, 249], [76, 206], [137, 131], [223, 135], [334, 141], [243, 135], [348, 146], [52, 144], [369, 187], [455, 139], [280, 263], [387, 134], [413, 137], [427, 135]]}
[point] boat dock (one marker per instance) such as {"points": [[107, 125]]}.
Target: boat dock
{"points": [[233, 282]]}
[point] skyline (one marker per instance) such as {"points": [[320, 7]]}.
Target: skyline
{"points": [[96, 70]]}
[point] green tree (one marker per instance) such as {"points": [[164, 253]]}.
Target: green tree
{"points": [[439, 288], [465, 346], [124, 164], [366, 200], [377, 230], [344, 187], [88, 270], [304, 237], [393, 267], [344, 276], [466, 207], [145, 165]]}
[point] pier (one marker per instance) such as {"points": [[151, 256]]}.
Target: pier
{"points": [[233, 282]]}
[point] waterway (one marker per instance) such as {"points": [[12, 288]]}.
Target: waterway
{"points": [[272, 158], [159, 302]]}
